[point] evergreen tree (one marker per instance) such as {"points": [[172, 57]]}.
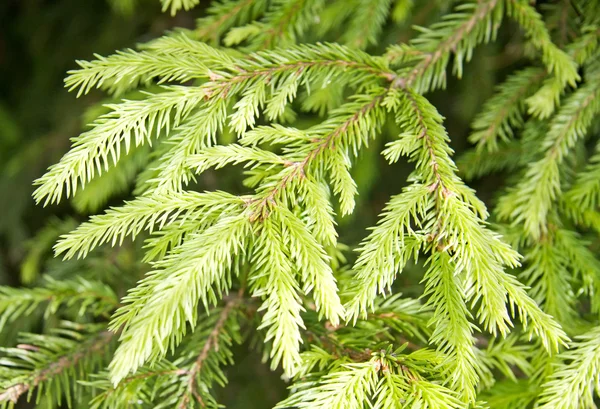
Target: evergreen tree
{"points": [[497, 311]]}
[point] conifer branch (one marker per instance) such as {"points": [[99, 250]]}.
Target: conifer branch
{"points": [[367, 22], [288, 19], [94, 150], [503, 113], [573, 384], [224, 14], [253, 103], [459, 34], [211, 343], [96, 297], [555, 59], [48, 360], [530, 202], [143, 213], [175, 5], [158, 309]]}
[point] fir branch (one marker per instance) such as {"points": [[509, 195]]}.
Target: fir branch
{"points": [[471, 24], [225, 14], [503, 113], [94, 297], [157, 310], [143, 213], [367, 23], [94, 150], [50, 360], [529, 203], [573, 384]]}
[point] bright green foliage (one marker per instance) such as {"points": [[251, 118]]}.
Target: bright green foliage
{"points": [[572, 384], [259, 86], [85, 295]]}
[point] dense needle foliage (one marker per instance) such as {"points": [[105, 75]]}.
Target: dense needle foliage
{"points": [[243, 143]]}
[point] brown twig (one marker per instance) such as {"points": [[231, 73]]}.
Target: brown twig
{"points": [[211, 344]]}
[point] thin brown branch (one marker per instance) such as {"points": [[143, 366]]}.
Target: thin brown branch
{"points": [[211, 344]]}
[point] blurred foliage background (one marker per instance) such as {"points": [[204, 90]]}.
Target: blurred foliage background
{"points": [[40, 40]]}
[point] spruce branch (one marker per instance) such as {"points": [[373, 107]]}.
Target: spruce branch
{"points": [[503, 114], [187, 380], [549, 279], [530, 201], [343, 334], [211, 344], [349, 127], [348, 388], [143, 213], [367, 22], [94, 297], [472, 23], [171, 59], [573, 383], [584, 194], [47, 362], [129, 122], [188, 139], [157, 311], [273, 280], [225, 14], [115, 181], [287, 20], [452, 330], [477, 163], [556, 60]]}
